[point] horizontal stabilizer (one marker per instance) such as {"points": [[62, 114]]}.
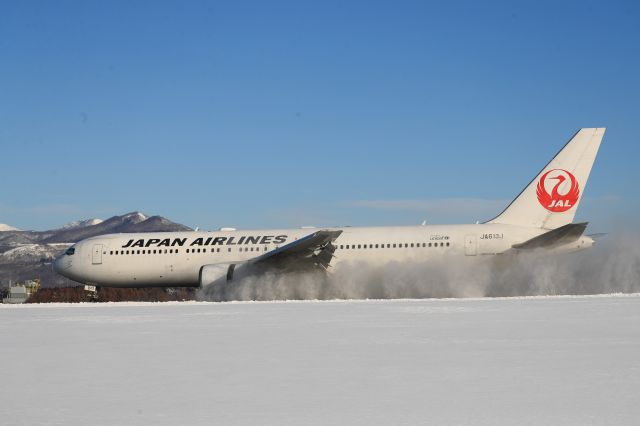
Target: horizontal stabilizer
{"points": [[597, 235], [557, 237]]}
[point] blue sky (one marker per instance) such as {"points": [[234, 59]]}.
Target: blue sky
{"points": [[270, 114]]}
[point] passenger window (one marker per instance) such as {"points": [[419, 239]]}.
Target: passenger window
{"points": [[111, 252], [411, 244], [229, 249], [441, 244], [447, 244]]}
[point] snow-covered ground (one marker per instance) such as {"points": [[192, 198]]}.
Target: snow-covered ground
{"points": [[540, 360]]}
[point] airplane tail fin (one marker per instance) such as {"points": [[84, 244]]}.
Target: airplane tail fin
{"points": [[552, 197]]}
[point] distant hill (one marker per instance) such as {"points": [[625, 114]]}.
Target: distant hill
{"points": [[81, 223], [5, 227], [28, 254], [130, 222]]}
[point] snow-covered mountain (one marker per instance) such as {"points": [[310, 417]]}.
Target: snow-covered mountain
{"points": [[25, 253], [5, 228], [130, 222], [81, 223]]}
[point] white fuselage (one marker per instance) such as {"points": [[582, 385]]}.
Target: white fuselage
{"points": [[176, 258]]}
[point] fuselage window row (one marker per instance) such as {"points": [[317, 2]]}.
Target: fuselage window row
{"points": [[257, 249], [176, 251], [125, 252], [397, 245]]}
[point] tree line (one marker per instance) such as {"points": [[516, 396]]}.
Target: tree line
{"points": [[106, 294]]}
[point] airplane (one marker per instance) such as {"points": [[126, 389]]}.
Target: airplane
{"points": [[539, 218]]}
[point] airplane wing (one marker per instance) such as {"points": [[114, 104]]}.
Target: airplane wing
{"points": [[563, 235], [312, 251]]}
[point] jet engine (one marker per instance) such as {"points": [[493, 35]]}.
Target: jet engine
{"points": [[221, 273]]}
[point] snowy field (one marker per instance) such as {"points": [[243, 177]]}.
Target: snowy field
{"points": [[541, 360]]}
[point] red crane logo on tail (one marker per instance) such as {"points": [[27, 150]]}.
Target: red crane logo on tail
{"points": [[555, 201]]}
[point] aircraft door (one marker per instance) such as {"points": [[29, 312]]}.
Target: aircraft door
{"points": [[470, 248], [96, 255]]}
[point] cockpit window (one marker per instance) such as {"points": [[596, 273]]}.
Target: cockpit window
{"points": [[70, 251]]}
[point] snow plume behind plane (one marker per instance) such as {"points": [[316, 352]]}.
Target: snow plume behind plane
{"points": [[613, 266]]}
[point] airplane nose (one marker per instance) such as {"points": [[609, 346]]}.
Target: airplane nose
{"points": [[61, 264], [55, 266]]}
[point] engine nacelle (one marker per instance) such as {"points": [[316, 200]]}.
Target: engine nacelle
{"points": [[221, 273]]}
